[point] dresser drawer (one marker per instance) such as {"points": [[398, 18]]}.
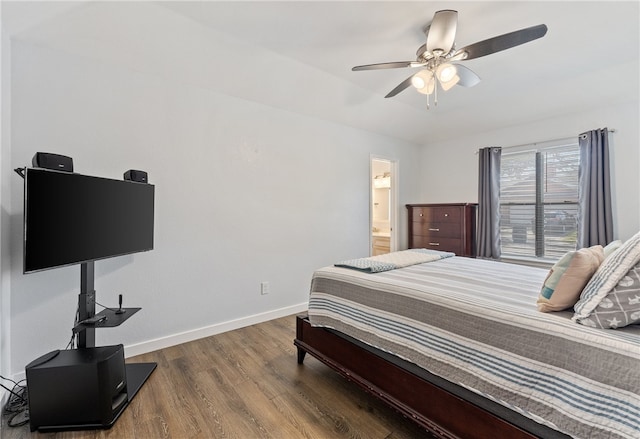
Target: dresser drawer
{"points": [[437, 230], [455, 245], [437, 214]]}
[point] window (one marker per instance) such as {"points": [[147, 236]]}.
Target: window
{"points": [[539, 200]]}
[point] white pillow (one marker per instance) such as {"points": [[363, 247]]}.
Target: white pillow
{"points": [[568, 277], [607, 276]]}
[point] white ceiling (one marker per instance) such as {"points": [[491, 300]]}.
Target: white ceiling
{"points": [[589, 57]]}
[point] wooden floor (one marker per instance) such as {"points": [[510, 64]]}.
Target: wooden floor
{"points": [[245, 384]]}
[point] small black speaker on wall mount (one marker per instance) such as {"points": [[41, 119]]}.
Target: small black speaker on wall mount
{"points": [[48, 160], [137, 176]]}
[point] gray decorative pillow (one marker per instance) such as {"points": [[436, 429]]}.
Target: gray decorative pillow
{"points": [[621, 306], [607, 276]]}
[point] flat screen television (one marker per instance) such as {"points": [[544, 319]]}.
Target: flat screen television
{"points": [[73, 218]]}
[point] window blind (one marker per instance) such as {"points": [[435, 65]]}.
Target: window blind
{"points": [[539, 200]]}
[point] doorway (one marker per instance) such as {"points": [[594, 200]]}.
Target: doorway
{"points": [[383, 209]]}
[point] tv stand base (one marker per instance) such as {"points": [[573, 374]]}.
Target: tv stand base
{"points": [[137, 375]]}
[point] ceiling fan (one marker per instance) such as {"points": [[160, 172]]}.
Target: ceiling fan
{"points": [[437, 55]]}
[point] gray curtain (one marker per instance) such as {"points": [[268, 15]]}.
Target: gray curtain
{"points": [[595, 219], [489, 203]]}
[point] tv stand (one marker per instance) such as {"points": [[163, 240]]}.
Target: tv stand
{"points": [[136, 373]]}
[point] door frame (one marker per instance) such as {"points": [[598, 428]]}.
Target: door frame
{"points": [[393, 200]]}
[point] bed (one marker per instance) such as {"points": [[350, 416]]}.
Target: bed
{"points": [[458, 346]]}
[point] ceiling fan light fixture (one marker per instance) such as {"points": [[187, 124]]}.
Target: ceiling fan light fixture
{"points": [[446, 72], [450, 83], [431, 86], [418, 82], [423, 81]]}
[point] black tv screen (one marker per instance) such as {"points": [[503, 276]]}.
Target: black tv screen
{"points": [[72, 218]]}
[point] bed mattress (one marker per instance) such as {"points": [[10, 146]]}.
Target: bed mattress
{"points": [[475, 323]]}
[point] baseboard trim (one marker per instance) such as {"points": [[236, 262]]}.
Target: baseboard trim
{"points": [[207, 331]]}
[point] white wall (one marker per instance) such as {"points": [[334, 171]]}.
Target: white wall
{"points": [[5, 98], [458, 181], [245, 192]]}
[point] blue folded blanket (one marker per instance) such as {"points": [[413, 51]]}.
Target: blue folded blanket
{"points": [[393, 260]]}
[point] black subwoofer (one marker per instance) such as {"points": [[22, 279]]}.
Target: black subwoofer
{"points": [[77, 388]]}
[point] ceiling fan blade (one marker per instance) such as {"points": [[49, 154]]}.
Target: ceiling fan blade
{"points": [[502, 42], [442, 32], [385, 65], [401, 87], [468, 77]]}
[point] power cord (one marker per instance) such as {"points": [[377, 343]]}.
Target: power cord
{"points": [[73, 341], [17, 408]]}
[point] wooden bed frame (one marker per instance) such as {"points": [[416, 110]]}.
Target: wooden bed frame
{"points": [[441, 407]]}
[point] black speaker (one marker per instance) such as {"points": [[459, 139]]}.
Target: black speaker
{"points": [[133, 175], [52, 161], [77, 388]]}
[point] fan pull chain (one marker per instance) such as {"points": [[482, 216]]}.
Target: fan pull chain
{"points": [[435, 91]]}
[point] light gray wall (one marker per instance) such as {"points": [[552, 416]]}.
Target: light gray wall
{"points": [[458, 180], [5, 297], [245, 192]]}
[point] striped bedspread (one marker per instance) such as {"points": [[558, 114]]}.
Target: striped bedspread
{"points": [[475, 323]]}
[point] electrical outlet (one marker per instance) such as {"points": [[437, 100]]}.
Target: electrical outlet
{"points": [[264, 288]]}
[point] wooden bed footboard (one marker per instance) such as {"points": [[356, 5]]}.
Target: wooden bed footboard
{"points": [[444, 409]]}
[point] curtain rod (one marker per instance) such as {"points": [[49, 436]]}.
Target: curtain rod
{"points": [[562, 139], [609, 130]]}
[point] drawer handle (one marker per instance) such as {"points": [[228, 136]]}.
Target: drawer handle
{"points": [[434, 243], [421, 215], [446, 214], [434, 230]]}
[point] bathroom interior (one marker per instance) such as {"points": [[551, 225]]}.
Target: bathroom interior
{"points": [[380, 206]]}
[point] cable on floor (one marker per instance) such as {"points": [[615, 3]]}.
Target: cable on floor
{"points": [[17, 407]]}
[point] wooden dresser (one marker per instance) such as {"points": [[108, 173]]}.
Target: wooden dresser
{"points": [[444, 227]]}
